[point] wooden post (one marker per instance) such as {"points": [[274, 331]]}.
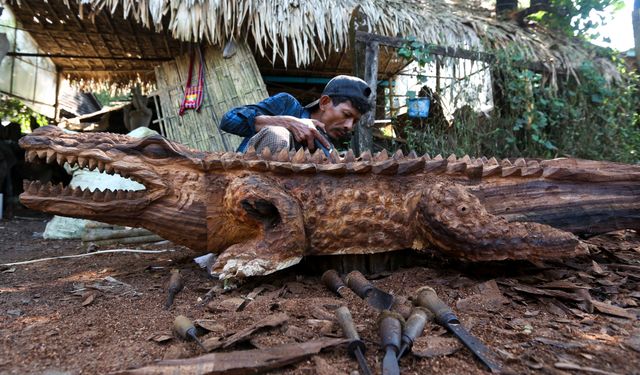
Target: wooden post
{"points": [[363, 137]]}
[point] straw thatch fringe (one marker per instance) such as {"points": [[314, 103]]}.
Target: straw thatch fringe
{"points": [[307, 29]]}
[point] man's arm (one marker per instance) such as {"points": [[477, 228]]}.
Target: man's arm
{"points": [[241, 120], [305, 131], [247, 120]]}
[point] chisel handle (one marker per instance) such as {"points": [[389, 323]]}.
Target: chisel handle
{"points": [[358, 283], [414, 326], [428, 298], [332, 280], [346, 323]]}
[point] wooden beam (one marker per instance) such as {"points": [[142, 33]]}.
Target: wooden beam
{"points": [[363, 136], [459, 53], [97, 57]]}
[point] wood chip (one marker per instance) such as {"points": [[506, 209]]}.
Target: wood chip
{"points": [[239, 362], [548, 292], [435, 346], [88, 299], [268, 322], [160, 337], [605, 308], [595, 267]]}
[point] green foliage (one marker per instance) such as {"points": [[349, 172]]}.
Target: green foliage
{"points": [[12, 110], [576, 17], [584, 117]]}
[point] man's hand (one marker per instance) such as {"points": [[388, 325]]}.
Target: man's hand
{"points": [[304, 130]]}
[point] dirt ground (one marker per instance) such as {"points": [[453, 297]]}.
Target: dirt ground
{"points": [[103, 313]]}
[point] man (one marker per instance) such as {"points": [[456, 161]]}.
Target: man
{"points": [[281, 121]]}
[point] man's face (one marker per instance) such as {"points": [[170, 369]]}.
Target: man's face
{"points": [[338, 120]]}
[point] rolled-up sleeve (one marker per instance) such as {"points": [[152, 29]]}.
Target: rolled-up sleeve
{"points": [[241, 120]]}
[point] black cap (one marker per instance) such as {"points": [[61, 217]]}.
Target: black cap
{"points": [[350, 87]]}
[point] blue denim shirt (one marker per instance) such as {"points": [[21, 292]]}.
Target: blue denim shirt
{"points": [[241, 120]]}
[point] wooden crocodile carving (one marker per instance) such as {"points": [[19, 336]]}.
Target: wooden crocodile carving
{"points": [[262, 213]]}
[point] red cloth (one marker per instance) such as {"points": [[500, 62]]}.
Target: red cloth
{"points": [[193, 95]]}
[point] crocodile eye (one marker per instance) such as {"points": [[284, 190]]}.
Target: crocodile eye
{"points": [[156, 151]]}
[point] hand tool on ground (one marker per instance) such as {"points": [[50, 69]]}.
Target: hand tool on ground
{"points": [[185, 329], [174, 287], [364, 289], [390, 329], [332, 280], [413, 328], [427, 297], [356, 346]]}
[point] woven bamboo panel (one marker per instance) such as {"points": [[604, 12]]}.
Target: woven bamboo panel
{"points": [[228, 83]]}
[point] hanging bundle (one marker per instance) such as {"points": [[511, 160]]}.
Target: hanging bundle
{"points": [[193, 95]]}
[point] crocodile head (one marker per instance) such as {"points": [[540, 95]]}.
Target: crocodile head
{"points": [[172, 175]]}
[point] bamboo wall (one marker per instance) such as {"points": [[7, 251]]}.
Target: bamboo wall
{"points": [[228, 83]]}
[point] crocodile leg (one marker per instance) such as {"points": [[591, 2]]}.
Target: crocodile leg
{"points": [[454, 220], [268, 225]]}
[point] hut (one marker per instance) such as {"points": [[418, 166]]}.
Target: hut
{"points": [[252, 49]]}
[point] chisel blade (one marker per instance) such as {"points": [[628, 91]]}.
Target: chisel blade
{"points": [[390, 363], [476, 346]]}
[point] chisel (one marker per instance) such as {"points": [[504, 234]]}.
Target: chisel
{"points": [[427, 297], [375, 297], [413, 328], [356, 346], [390, 328]]}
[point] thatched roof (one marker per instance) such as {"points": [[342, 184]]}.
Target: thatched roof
{"points": [[295, 33]]}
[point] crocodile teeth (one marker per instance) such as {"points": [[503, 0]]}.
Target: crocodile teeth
{"points": [[381, 156], [92, 164], [72, 159], [109, 169], [60, 159], [77, 192], [101, 166], [298, 157], [82, 161], [350, 157], [42, 154], [366, 156], [86, 193], [31, 156], [51, 156], [44, 189], [283, 155], [98, 196], [67, 191], [56, 189], [109, 195], [452, 158], [121, 194], [266, 153]]}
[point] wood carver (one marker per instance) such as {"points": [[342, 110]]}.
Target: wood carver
{"points": [[262, 213]]}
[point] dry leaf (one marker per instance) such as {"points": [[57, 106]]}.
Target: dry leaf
{"points": [[160, 337], [88, 299], [596, 268]]}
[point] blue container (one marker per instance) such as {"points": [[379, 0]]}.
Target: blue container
{"points": [[418, 107]]}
